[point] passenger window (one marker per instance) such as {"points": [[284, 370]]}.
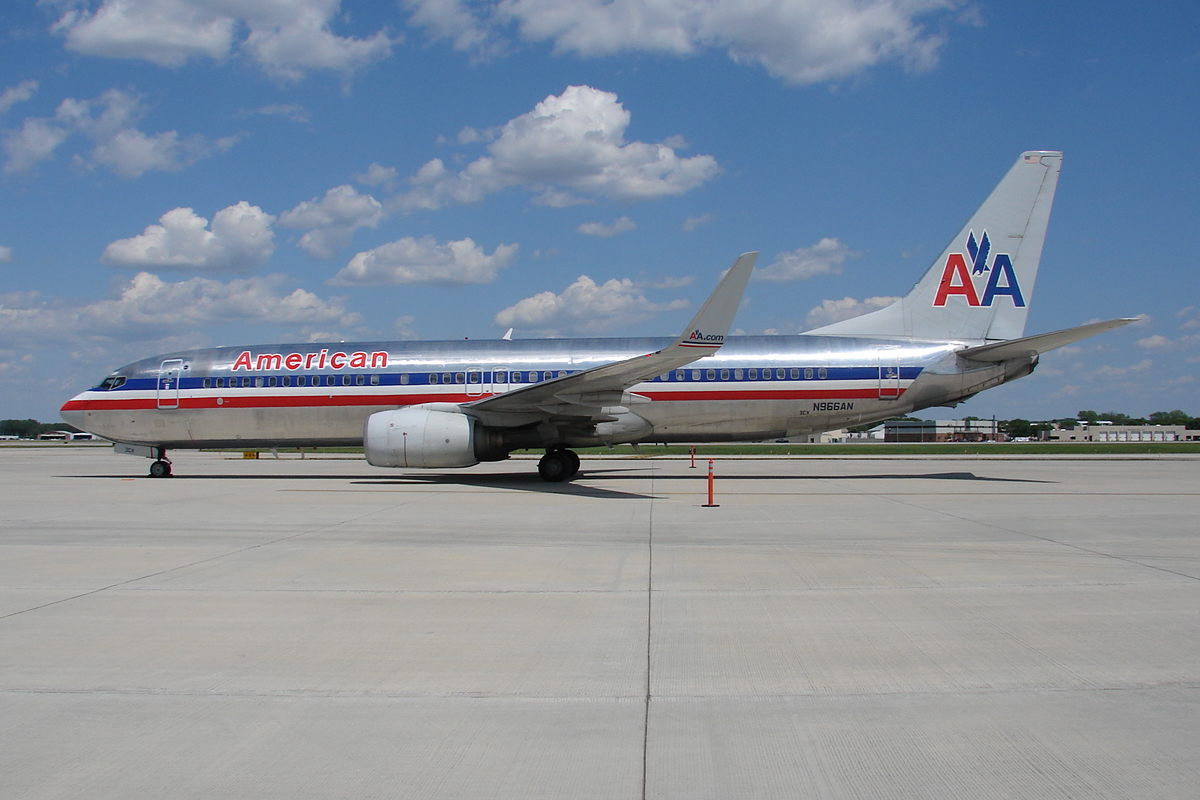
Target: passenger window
{"points": [[258, 382], [207, 383], [753, 374], [710, 374], [286, 380], [780, 374], [300, 380], [679, 375], [359, 380], [808, 373], [795, 373], [271, 381], [737, 374], [374, 380], [433, 378], [345, 380], [766, 374], [403, 379], [500, 377], [460, 377], [695, 374], [446, 377], [331, 380], [822, 373], [724, 374]]}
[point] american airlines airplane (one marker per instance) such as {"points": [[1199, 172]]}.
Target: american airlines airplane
{"points": [[437, 405]]}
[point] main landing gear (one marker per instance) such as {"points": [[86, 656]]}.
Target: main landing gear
{"points": [[559, 464], [162, 467]]}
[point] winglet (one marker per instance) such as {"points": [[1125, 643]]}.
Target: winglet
{"points": [[712, 322]]}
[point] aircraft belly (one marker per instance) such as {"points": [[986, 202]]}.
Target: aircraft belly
{"points": [[731, 420], [283, 426], [232, 427]]}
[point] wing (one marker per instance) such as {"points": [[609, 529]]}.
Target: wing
{"points": [[581, 396]]}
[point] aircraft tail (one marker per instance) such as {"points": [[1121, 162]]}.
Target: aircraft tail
{"points": [[980, 286]]}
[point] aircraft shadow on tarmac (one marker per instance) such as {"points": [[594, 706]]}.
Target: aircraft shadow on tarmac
{"points": [[583, 486]]}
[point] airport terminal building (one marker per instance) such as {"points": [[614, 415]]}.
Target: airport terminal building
{"points": [[941, 430], [1123, 433]]}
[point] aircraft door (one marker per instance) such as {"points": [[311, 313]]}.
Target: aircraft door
{"points": [[168, 383], [475, 386], [500, 380], [889, 373]]}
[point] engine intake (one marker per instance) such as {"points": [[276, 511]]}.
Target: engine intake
{"points": [[420, 437]]}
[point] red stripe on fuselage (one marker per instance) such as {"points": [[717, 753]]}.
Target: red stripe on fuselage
{"points": [[319, 401]]}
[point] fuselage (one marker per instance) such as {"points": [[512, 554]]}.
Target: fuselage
{"points": [[754, 387]]}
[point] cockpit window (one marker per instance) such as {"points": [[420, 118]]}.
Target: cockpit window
{"points": [[112, 382]]}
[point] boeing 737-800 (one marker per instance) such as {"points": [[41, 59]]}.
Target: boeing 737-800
{"points": [[438, 405]]}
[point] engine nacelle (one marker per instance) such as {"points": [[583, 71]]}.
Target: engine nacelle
{"points": [[420, 437]]}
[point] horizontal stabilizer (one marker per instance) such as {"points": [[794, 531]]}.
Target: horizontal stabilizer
{"points": [[1035, 345]]}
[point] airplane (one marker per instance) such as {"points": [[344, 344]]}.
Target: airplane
{"points": [[449, 404]]}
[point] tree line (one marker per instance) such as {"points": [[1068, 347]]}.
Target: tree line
{"points": [[1022, 427], [31, 428]]}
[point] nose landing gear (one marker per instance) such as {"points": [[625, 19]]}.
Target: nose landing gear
{"points": [[162, 467], [559, 464]]}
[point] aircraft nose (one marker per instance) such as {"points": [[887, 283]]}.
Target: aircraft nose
{"points": [[72, 411]]}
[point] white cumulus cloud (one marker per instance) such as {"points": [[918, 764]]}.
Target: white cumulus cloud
{"points": [[799, 41], [617, 226], [574, 140], [109, 121], [831, 311], [6, 254], [286, 38], [823, 258], [423, 260], [377, 175], [584, 307], [240, 239], [147, 307], [16, 94], [332, 220]]}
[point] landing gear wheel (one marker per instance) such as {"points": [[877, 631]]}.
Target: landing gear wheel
{"points": [[572, 463], [558, 465], [160, 469]]}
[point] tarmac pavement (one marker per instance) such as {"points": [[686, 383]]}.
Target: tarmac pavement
{"points": [[838, 628]]}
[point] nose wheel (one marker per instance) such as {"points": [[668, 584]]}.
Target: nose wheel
{"points": [[161, 468], [558, 465]]}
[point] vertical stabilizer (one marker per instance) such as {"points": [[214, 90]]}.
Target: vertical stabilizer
{"points": [[980, 287]]}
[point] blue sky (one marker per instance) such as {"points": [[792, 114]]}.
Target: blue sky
{"points": [[187, 173]]}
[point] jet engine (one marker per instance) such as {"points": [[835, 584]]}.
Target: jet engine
{"points": [[426, 438]]}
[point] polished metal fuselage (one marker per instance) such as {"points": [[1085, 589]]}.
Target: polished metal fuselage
{"points": [[755, 387]]}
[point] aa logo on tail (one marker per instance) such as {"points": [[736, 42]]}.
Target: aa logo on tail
{"points": [[957, 279]]}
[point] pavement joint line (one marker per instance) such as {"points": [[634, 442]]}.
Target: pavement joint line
{"points": [[649, 633]]}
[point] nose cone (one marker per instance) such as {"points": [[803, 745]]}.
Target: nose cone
{"points": [[73, 410]]}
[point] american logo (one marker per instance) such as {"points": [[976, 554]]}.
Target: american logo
{"points": [[699, 336], [958, 280]]}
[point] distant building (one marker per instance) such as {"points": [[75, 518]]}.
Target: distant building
{"points": [[66, 436], [942, 430], [1123, 433]]}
